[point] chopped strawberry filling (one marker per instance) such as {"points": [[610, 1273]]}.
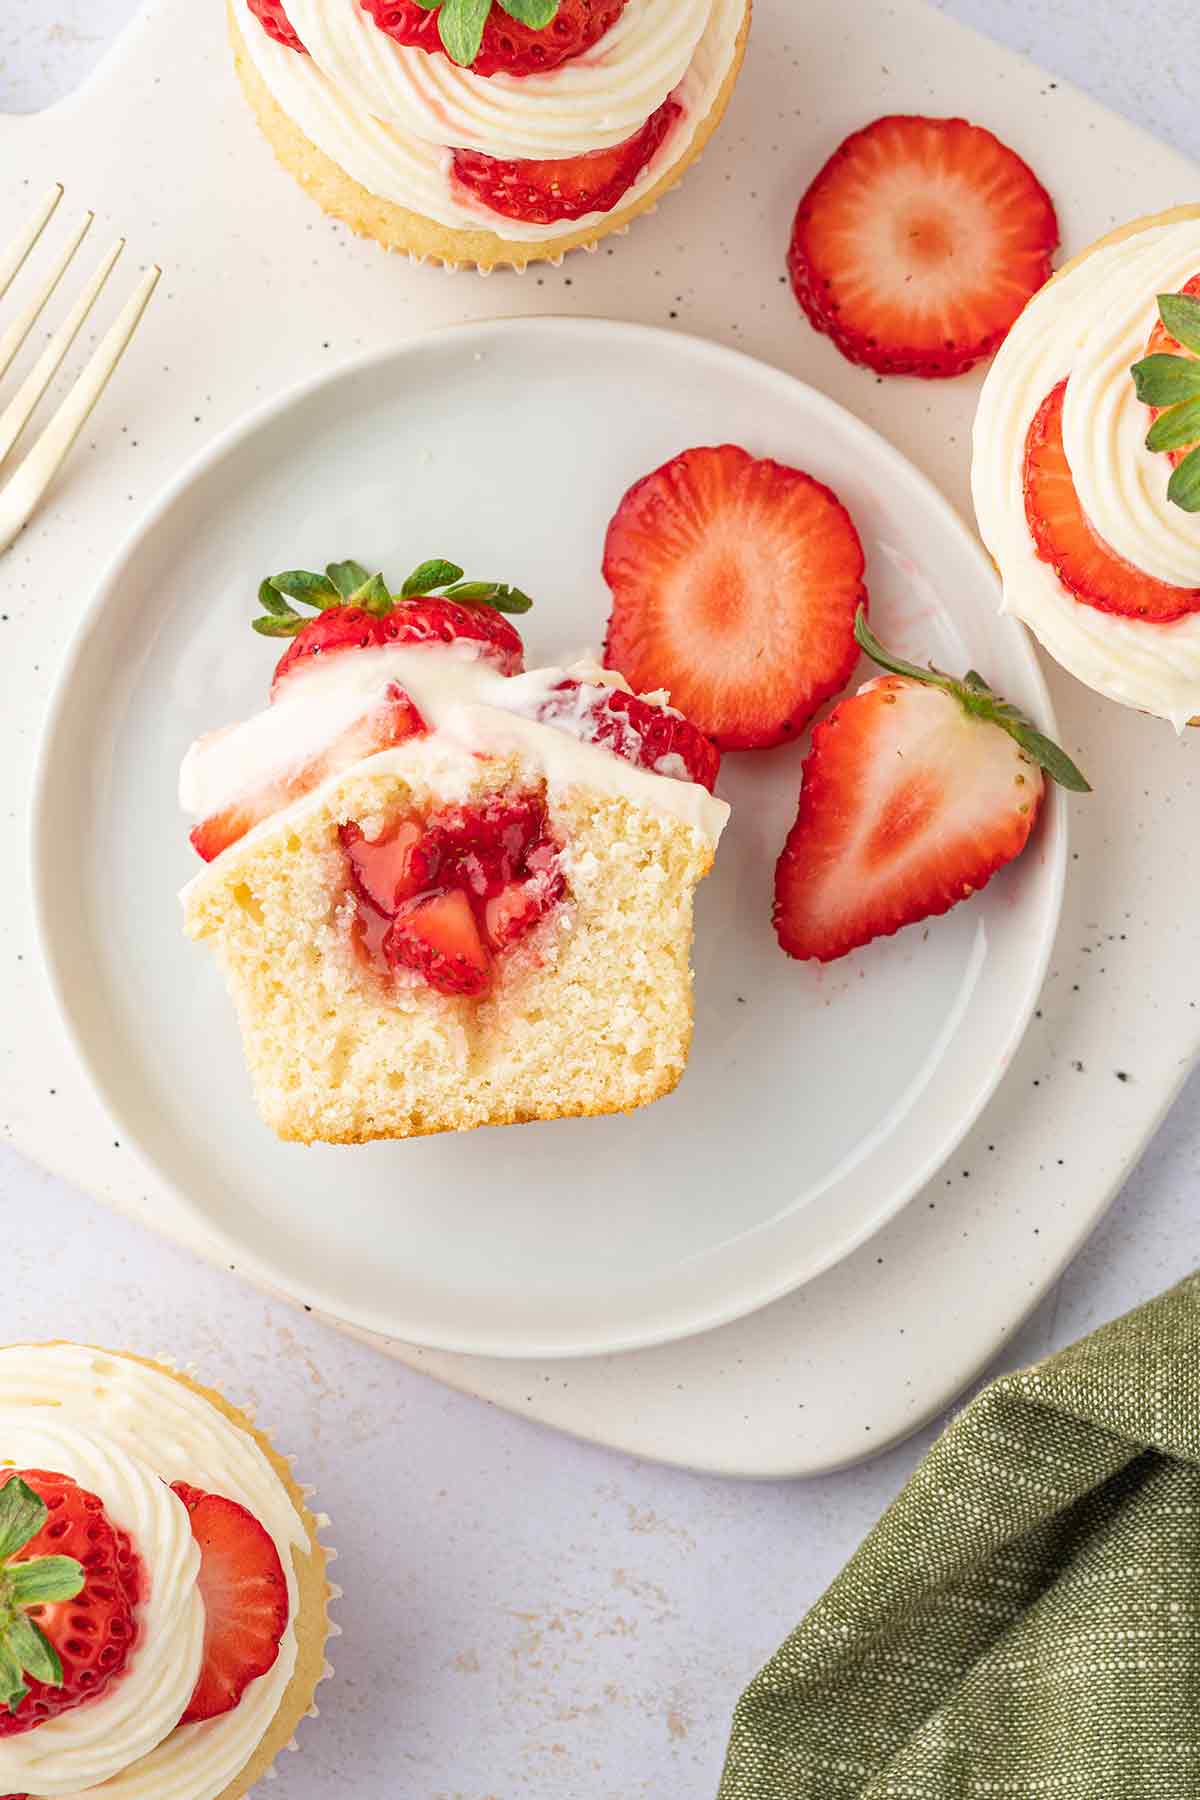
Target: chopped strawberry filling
{"points": [[444, 897]]}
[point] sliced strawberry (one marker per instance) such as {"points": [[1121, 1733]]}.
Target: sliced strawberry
{"points": [[94, 1630], [1083, 562], [919, 243], [908, 806], [275, 22], [1162, 343], [735, 584], [434, 619], [654, 737], [437, 936], [340, 628], [394, 722], [393, 867], [508, 47], [245, 1596], [571, 187]]}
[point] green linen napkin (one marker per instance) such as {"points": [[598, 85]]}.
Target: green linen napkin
{"points": [[1024, 1621]]}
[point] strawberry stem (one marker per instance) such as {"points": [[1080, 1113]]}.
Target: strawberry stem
{"points": [[37, 1581], [979, 700]]}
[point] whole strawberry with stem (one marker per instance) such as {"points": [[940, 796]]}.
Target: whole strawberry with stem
{"points": [[68, 1585], [357, 611], [917, 789]]}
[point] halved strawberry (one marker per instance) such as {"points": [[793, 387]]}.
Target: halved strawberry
{"points": [[570, 187], [394, 722], [919, 243], [735, 584], [1065, 538], [507, 46], [437, 936], [1162, 343], [917, 789], [245, 1596], [275, 22]]}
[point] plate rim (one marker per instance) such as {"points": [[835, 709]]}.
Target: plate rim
{"points": [[224, 1245]]}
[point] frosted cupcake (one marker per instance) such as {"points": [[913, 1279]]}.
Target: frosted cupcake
{"points": [[493, 138], [1086, 478], [163, 1611]]}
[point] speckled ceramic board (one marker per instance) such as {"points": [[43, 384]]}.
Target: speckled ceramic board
{"points": [[261, 291]]}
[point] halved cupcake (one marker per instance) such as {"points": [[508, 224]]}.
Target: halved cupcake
{"points": [[488, 136], [1085, 476], [447, 893], [165, 1598]]}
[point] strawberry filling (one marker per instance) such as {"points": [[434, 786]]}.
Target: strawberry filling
{"points": [[542, 193], [448, 896]]}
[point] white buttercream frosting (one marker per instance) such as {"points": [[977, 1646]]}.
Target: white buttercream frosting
{"points": [[469, 706], [1091, 325], [124, 1431], [590, 103], [390, 116]]}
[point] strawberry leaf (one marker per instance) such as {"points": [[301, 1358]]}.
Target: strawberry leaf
{"points": [[430, 575], [977, 698], [1184, 485], [460, 27], [1166, 380], [537, 14], [347, 576], [491, 593], [22, 1515], [372, 595], [270, 597], [311, 590], [1178, 426], [280, 625], [44, 1580], [34, 1651], [1180, 313]]}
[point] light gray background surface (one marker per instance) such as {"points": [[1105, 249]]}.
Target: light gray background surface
{"points": [[526, 1616]]}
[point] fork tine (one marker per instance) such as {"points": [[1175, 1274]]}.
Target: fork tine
{"points": [[35, 474], [15, 416], [12, 339], [27, 237]]}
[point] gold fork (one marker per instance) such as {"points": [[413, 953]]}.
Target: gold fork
{"points": [[20, 496]]}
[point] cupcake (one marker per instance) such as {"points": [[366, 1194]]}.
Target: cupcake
{"points": [[463, 136], [165, 1595], [1085, 483], [446, 891]]}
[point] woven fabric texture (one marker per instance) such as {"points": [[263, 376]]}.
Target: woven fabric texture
{"points": [[1024, 1621]]}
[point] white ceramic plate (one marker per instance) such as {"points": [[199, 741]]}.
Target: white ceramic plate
{"points": [[817, 1102]]}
